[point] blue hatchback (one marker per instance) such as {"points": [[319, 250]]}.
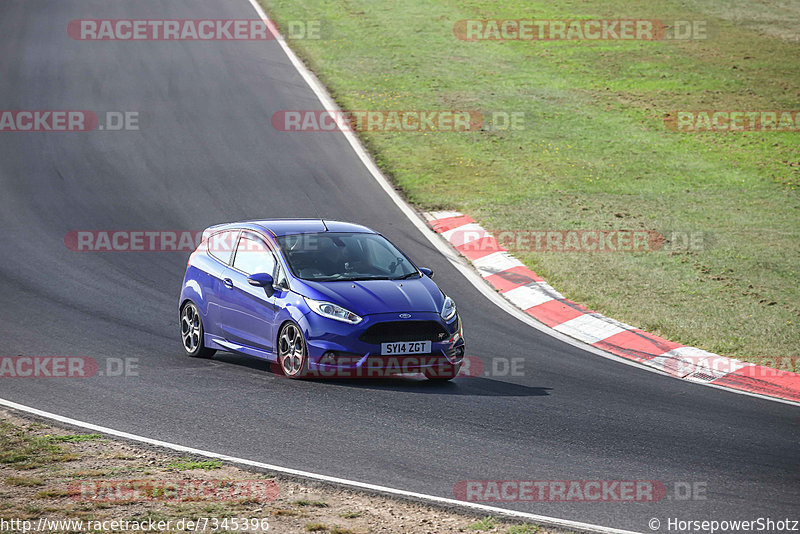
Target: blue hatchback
{"points": [[318, 298]]}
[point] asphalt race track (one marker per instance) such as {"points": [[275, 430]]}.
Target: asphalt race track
{"points": [[206, 153]]}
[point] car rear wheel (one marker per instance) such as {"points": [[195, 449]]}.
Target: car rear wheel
{"points": [[292, 351], [192, 332]]}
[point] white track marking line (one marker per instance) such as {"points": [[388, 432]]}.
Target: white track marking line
{"points": [[496, 262], [435, 215], [545, 520], [684, 361], [461, 235], [588, 328], [529, 295]]}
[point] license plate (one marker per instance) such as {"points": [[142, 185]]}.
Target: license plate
{"points": [[405, 347]]}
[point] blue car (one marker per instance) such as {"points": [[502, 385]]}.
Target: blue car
{"points": [[318, 298]]}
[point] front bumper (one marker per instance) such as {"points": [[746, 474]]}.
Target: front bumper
{"points": [[338, 349]]}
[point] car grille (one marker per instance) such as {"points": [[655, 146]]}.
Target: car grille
{"points": [[404, 331]]}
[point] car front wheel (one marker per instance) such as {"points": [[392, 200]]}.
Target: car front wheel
{"points": [[292, 351]]}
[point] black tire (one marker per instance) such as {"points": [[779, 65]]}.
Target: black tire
{"points": [[191, 326], [292, 351]]}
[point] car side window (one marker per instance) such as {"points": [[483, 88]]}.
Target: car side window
{"points": [[253, 256], [221, 245]]}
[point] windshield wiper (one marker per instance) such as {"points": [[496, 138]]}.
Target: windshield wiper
{"points": [[405, 276]]}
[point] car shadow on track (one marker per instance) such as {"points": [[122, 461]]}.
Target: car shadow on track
{"points": [[461, 386], [466, 386]]}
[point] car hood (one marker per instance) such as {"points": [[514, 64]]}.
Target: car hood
{"points": [[366, 297]]}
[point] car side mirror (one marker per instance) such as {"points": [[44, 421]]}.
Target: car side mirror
{"points": [[426, 271], [261, 280]]}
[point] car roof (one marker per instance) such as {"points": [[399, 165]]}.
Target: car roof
{"points": [[280, 227]]}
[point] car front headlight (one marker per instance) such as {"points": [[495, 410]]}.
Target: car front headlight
{"points": [[332, 311], [448, 309]]}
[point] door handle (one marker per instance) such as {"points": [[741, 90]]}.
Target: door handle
{"points": [[228, 283]]}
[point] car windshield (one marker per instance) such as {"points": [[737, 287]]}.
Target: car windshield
{"points": [[333, 256]]}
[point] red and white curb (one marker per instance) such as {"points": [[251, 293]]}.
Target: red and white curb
{"points": [[529, 292]]}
